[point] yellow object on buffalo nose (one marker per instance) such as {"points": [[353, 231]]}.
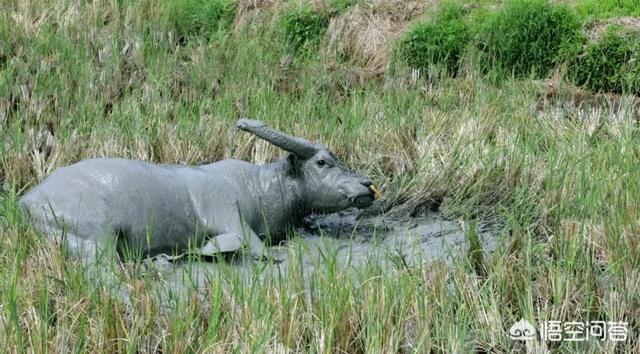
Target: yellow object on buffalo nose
{"points": [[375, 191]]}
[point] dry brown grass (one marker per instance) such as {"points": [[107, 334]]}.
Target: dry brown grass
{"points": [[556, 97], [249, 10], [365, 33], [596, 29]]}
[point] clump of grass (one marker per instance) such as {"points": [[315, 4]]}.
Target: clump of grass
{"points": [[304, 27], [199, 17], [342, 5], [528, 37], [364, 35], [439, 42], [608, 8], [610, 63]]}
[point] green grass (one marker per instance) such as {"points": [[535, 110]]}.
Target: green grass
{"points": [[342, 5], [303, 28], [607, 8], [440, 42], [105, 79], [611, 63], [199, 17], [528, 38]]}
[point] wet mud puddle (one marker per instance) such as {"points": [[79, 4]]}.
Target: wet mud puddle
{"points": [[347, 241]]}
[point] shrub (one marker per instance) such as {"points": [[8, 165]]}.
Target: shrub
{"points": [[303, 28], [611, 63], [528, 37], [199, 17], [439, 42]]}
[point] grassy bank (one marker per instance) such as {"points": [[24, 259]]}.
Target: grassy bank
{"points": [[557, 165]]}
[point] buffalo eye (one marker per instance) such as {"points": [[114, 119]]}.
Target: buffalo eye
{"points": [[321, 162]]}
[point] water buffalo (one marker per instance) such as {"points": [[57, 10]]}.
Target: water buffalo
{"points": [[170, 209]]}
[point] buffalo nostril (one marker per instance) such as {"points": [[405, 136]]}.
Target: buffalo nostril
{"points": [[366, 182]]}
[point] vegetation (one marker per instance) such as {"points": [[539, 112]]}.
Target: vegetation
{"points": [[304, 27], [199, 17], [607, 8], [442, 41], [611, 63], [342, 5], [528, 37], [105, 78]]}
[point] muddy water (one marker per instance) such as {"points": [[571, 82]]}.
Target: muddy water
{"points": [[348, 240]]}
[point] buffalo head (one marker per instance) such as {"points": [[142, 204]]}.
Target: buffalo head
{"points": [[327, 184]]}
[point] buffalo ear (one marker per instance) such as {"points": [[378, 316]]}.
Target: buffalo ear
{"points": [[294, 168]]}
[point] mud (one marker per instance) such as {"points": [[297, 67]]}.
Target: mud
{"points": [[346, 240]]}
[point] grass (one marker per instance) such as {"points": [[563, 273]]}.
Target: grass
{"points": [[342, 5], [528, 38], [561, 180], [303, 28], [610, 63], [607, 8], [441, 42], [203, 18]]}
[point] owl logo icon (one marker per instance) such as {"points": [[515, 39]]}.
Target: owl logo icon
{"points": [[522, 330]]}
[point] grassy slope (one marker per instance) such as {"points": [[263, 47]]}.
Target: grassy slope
{"points": [[106, 80]]}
